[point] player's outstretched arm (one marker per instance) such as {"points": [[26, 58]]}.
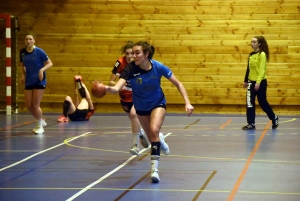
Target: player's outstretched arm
{"points": [[114, 89]]}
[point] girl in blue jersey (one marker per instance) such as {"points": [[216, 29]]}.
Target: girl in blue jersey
{"points": [[34, 63], [148, 98], [125, 95], [256, 82]]}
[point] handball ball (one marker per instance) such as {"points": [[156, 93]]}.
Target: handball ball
{"points": [[98, 90]]}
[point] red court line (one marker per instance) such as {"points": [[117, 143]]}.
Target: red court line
{"points": [[17, 125], [228, 122], [248, 162]]}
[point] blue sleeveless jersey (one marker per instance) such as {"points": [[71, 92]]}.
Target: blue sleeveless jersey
{"points": [[33, 62], [147, 92]]}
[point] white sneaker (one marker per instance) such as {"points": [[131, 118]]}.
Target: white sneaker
{"points": [[39, 130], [44, 123], [36, 127], [163, 145], [143, 139], [154, 176], [134, 150]]}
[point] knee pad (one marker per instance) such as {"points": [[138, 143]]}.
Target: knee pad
{"points": [[66, 105]]}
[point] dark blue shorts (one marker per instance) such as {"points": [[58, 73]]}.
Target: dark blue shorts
{"points": [[36, 86], [148, 112]]}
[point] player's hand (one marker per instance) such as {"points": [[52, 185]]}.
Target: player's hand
{"points": [[256, 88], [245, 85], [97, 81], [189, 108], [41, 75]]}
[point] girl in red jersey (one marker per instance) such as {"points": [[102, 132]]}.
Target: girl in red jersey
{"points": [[126, 98]]}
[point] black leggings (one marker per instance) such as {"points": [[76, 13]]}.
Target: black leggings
{"points": [[262, 100]]}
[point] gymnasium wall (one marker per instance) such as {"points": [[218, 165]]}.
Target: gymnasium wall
{"points": [[205, 43]]}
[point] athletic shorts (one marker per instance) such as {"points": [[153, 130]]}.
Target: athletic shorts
{"points": [[126, 106], [78, 115], [148, 112], [36, 86]]}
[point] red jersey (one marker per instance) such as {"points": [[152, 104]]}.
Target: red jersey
{"points": [[125, 94]]}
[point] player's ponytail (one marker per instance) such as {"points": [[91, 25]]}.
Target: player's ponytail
{"points": [[263, 46]]}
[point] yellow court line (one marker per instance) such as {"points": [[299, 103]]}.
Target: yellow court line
{"points": [[183, 156], [67, 142], [162, 190], [108, 174], [43, 151], [207, 127]]}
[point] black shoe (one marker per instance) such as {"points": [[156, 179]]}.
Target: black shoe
{"points": [[275, 122], [249, 127]]}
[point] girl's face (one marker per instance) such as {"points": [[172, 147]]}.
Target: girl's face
{"points": [[138, 55], [129, 55], [29, 41], [254, 44]]}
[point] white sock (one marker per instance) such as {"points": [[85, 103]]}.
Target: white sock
{"points": [[135, 139], [39, 123], [154, 162]]}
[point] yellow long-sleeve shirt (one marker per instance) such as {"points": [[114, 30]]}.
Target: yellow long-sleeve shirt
{"points": [[257, 67]]}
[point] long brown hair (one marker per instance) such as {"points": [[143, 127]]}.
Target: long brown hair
{"points": [[128, 45], [146, 48], [263, 46]]}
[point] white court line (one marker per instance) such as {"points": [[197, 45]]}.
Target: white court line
{"points": [[108, 174], [29, 157]]}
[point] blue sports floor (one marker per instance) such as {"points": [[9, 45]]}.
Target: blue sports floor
{"points": [[211, 159]]}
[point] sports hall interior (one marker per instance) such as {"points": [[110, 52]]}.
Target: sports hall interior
{"points": [[205, 43]]}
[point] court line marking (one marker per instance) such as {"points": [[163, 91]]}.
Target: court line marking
{"points": [[33, 155], [225, 124], [24, 123], [162, 190], [192, 124], [204, 185], [108, 174], [186, 156], [206, 127], [132, 186], [248, 162]]}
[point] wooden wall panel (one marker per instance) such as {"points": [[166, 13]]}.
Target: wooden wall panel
{"points": [[205, 43]]}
